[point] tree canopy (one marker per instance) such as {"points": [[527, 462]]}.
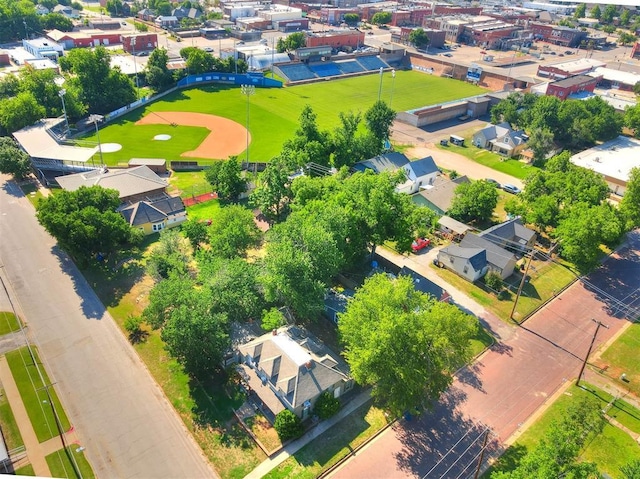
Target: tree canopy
{"points": [[13, 161], [402, 342], [157, 74], [233, 232], [291, 42], [419, 38], [630, 204], [381, 18], [474, 201], [85, 221], [225, 177]]}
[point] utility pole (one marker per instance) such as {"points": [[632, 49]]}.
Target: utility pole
{"points": [[593, 340], [484, 445], [524, 277]]}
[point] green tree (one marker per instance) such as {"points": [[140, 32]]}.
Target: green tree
{"points": [[474, 201], [157, 74], [56, 21], [351, 18], [625, 16], [196, 233], [141, 27], [419, 38], [41, 84], [114, 7], [581, 11], [625, 38], [379, 119], [288, 425], [170, 255], [541, 143], [165, 296], [381, 18], [272, 193], [596, 12], [272, 319], [632, 119], [233, 232], [402, 342], [199, 61], [196, 336], [631, 470], [85, 221], [326, 406], [103, 89], [9, 85], [309, 143], [291, 42], [20, 111], [13, 161], [225, 177], [583, 229], [610, 11], [346, 144], [630, 204]]}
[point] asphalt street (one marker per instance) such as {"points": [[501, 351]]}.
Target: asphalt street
{"points": [[120, 414], [501, 390]]}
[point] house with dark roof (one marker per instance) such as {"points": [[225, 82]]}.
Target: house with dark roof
{"points": [[511, 235], [390, 162], [420, 174], [439, 196], [470, 263], [132, 184], [424, 285], [288, 374], [499, 260], [154, 216], [501, 138]]}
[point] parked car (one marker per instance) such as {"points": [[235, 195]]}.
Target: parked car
{"points": [[420, 243], [142, 54], [568, 52], [447, 54], [208, 49], [493, 182], [511, 189]]}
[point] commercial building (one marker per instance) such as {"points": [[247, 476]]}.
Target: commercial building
{"points": [[615, 79], [571, 85], [558, 35], [336, 39], [561, 70], [139, 42], [43, 48]]}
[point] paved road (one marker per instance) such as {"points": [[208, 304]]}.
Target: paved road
{"points": [[120, 414], [508, 384]]}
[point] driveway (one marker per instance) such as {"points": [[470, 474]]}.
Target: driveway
{"points": [[508, 383], [121, 416]]}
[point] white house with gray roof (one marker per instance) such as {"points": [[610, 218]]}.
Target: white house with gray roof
{"points": [[287, 375], [501, 139]]}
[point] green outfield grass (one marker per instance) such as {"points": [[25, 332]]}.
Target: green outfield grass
{"points": [[274, 112]]}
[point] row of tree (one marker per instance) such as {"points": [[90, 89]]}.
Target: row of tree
{"points": [[573, 124], [18, 19]]}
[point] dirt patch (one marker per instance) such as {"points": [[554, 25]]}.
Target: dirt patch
{"points": [[226, 138]]}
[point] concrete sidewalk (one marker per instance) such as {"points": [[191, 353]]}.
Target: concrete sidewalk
{"points": [[293, 447]]}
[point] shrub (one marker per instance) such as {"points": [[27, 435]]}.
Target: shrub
{"points": [[326, 406], [288, 425], [272, 319], [493, 281], [133, 326]]}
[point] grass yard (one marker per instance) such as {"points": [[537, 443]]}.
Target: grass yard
{"points": [[188, 183], [32, 193], [26, 470], [264, 431], [8, 323], [599, 450], [332, 445], [622, 357], [10, 430], [204, 211], [33, 395], [274, 112], [492, 160], [59, 463], [546, 279]]}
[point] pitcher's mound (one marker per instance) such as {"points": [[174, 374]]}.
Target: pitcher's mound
{"points": [[162, 137], [110, 147]]}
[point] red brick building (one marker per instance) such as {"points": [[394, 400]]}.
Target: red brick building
{"points": [[575, 84], [436, 37], [84, 38], [141, 42], [336, 39], [565, 36]]}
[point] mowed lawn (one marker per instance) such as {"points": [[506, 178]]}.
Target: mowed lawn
{"points": [[274, 112]]}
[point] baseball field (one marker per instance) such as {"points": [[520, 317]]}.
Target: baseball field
{"points": [[208, 123]]}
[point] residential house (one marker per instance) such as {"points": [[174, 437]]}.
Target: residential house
{"points": [[156, 215], [41, 10], [511, 235], [440, 196], [66, 11], [424, 285], [192, 13], [499, 260], [147, 15], [166, 21], [132, 184], [287, 374], [501, 138], [390, 162], [420, 174], [470, 263]]}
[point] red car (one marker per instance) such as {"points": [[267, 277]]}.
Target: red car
{"points": [[419, 244]]}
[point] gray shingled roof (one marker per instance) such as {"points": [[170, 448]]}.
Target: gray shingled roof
{"points": [[144, 212], [423, 167], [496, 255], [387, 162], [442, 193], [422, 284], [476, 256], [512, 231]]}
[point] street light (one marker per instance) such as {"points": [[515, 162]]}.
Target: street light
{"points": [[393, 81], [248, 90], [380, 87], [95, 119], [135, 65], [61, 94]]}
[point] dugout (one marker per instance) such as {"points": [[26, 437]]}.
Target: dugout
{"points": [[312, 54], [157, 165]]}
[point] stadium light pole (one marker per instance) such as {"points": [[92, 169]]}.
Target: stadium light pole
{"points": [[380, 86], [95, 119], [61, 94], [248, 90], [393, 81]]}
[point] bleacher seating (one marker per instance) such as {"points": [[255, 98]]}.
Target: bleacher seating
{"points": [[297, 72], [349, 66], [326, 69], [372, 63]]}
